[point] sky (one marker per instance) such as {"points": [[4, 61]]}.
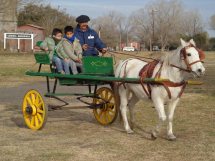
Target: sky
{"points": [[95, 8]]}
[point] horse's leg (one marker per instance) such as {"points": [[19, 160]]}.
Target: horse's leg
{"points": [[123, 108], [131, 105], [159, 106], [171, 109]]}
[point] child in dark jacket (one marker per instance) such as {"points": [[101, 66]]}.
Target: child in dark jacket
{"points": [[73, 49]]}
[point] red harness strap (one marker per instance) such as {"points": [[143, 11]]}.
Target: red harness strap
{"points": [[147, 72], [124, 73], [168, 84]]}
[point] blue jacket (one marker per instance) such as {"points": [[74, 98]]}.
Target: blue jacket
{"points": [[91, 38]]}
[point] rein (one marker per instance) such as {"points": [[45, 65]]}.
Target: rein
{"points": [[134, 56]]}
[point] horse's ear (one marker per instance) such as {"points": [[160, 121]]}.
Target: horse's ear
{"points": [[192, 42], [183, 43]]}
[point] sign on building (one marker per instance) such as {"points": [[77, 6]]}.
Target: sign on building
{"points": [[18, 36]]}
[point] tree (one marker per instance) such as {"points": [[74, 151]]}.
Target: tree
{"points": [[162, 22], [167, 21], [111, 27], [201, 39], [191, 23], [212, 22], [159, 22], [22, 3], [45, 16], [141, 25], [212, 44]]}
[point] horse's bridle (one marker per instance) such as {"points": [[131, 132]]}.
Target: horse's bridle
{"points": [[183, 55]]}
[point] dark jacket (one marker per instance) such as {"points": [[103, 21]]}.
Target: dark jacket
{"points": [[91, 38]]}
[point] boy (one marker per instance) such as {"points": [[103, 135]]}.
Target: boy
{"points": [[72, 51], [52, 44]]}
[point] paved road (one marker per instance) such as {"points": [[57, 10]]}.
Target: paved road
{"points": [[14, 95]]}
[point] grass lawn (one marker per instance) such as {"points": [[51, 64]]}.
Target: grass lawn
{"points": [[74, 134]]}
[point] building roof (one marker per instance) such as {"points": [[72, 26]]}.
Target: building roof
{"points": [[35, 26]]}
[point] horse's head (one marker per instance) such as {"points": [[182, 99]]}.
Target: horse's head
{"points": [[192, 57]]}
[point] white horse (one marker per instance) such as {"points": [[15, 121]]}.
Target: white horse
{"points": [[175, 67]]}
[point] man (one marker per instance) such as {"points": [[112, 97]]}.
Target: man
{"points": [[89, 39]]}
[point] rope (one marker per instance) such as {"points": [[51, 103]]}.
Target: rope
{"points": [[135, 56]]}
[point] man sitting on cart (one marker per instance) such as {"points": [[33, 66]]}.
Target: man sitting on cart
{"points": [[89, 39]]}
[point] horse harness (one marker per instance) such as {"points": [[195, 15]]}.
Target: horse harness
{"points": [[148, 70], [183, 55]]}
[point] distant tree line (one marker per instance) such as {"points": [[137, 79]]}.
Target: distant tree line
{"points": [[160, 23], [44, 16]]}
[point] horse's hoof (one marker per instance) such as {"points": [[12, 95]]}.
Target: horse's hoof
{"points": [[171, 137], [130, 131], [153, 136]]}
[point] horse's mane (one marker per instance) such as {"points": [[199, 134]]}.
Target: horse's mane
{"points": [[172, 57]]}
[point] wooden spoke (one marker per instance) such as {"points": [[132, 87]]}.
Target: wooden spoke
{"points": [[106, 95], [33, 98], [32, 121], [37, 100], [110, 98], [39, 105], [111, 111], [36, 121], [39, 117], [29, 101], [40, 111]]}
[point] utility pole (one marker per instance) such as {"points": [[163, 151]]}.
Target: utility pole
{"points": [[120, 41], [153, 27], [100, 31], [127, 38], [194, 27]]}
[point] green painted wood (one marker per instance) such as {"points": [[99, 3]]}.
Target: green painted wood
{"points": [[98, 65], [69, 94], [107, 79], [67, 81], [38, 43], [42, 58]]}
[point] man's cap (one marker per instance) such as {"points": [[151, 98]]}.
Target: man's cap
{"points": [[82, 19]]}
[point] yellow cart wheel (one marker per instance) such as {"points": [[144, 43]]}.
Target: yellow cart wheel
{"points": [[108, 112], [34, 110]]}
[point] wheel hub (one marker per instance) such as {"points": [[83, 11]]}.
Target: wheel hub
{"points": [[31, 110], [110, 105]]}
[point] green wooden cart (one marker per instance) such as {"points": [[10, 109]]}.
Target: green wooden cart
{"points": [[98, 72]]}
